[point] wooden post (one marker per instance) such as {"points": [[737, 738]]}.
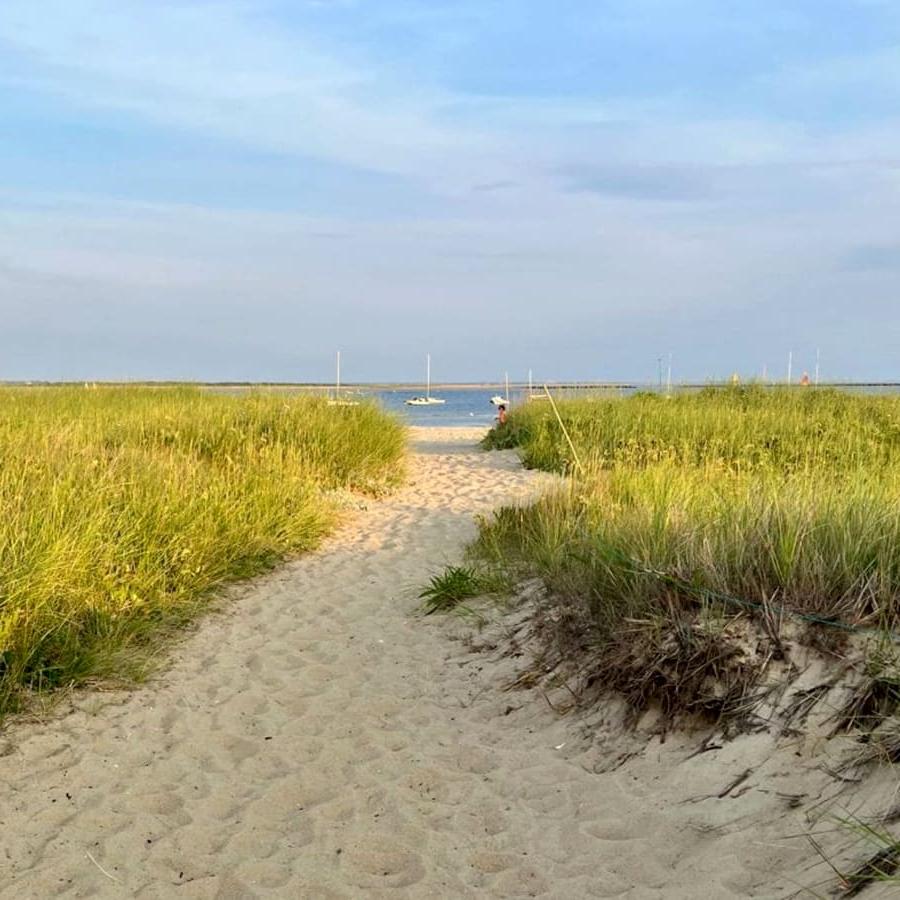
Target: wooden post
{"points": [[565, 431]]}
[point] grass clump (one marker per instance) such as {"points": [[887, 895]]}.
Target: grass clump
{"points": [[881, 851], [727, 501], [447, 590], [121, 508], [873, 699]]}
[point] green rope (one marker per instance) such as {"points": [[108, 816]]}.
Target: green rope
{"points": [[704, 593]]}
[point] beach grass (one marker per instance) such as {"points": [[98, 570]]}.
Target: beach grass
{"points": [[448, 589], [122, 508], [716, 503]]}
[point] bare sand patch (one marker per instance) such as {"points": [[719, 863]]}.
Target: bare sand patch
{"points": [[318, 739]]}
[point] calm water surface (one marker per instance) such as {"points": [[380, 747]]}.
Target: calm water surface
{"points": [[472, 406], [469, 407]]}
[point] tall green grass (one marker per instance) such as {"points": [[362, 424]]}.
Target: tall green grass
{"points": [[690, 530], [744, 429], [121, 508], [787, 498]]}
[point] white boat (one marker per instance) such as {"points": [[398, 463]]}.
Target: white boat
{"points": [[337, 400], [497, 400], [427, 400]]}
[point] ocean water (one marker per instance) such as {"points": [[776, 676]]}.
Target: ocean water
{"points": [[472, 406], [463, 407]]}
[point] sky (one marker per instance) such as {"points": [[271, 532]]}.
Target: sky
{"points": [[236, 189]]}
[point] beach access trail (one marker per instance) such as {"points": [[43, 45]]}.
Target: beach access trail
{"points": [[317, 739]]}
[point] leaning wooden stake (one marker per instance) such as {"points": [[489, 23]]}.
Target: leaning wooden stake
{"points": [[565, 431]]}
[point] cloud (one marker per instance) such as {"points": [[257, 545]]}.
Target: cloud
{"points": [[872, 258], [319, 177], [491, 186], [666, 183], [219, 70]]}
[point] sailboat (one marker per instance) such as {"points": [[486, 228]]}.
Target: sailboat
{"points": [[427, 400], [336, 400], [497, 400]]}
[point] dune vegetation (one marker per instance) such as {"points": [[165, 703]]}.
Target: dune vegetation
{"points": [[122, 508], [682, 512]]}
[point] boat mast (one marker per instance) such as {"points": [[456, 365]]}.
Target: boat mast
{"points": [[427, 376], [507, 386]]}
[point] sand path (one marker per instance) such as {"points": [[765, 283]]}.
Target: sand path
{"points": [[318, 740]]}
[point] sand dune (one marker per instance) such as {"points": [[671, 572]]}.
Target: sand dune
{"points": [[319, 740]]}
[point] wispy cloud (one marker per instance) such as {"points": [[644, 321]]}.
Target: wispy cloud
{"points": [[487, 187], [639, 182], [873, 258], [267, 171], [217, 69]]}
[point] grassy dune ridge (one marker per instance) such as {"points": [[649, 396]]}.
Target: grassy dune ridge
{"points": [[744, 429], [120, 508], [786, 499]]}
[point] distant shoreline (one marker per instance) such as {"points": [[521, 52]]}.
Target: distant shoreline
{"points": [[443, 385]]}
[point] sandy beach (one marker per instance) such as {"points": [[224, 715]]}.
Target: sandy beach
{"points": [[319, 739]]}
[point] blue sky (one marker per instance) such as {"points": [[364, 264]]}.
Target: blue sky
{"points": [[234, 189]]}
